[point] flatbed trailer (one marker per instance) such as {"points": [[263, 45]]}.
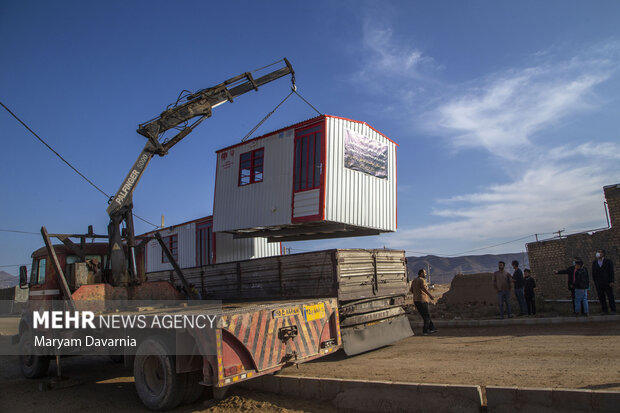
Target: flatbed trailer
{"points": [[370, 285], [247, 339]]}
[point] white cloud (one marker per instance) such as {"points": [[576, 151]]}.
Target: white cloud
{"points": [[508, 113], [387, 63], [502, 114], [546, 198]]}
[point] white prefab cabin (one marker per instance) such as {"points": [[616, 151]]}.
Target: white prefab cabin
{"points": [[194, 244], [322, 178]]}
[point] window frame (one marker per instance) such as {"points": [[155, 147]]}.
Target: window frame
{"points": [[36, 271], [309, 172], [254, 165], [172, 242]]}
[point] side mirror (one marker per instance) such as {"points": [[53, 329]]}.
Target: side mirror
{"points": [[23, 276]]}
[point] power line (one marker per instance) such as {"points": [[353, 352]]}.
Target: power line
{"points": [[67, 162], [20, 232], [52, 149]]}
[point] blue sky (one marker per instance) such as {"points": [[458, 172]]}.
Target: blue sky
{"points": [[506, 113]]}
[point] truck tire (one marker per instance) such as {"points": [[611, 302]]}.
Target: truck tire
{"points": [[33, 367], [154, 369], [193, 389]]}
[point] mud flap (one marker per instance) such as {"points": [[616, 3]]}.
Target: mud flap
{"points": [[361, 338]]}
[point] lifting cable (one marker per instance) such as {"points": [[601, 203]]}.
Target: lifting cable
{"points": [[293, 90], [65, 161]]}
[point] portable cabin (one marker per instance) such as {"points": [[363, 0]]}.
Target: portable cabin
{"points": [[194, 244], [325, 177]]}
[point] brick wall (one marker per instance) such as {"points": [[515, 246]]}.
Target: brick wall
{"points": [[547, 256], [612, 196]]}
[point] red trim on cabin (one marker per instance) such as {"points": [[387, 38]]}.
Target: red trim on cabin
{"points": [[323, 170], [172, 242], [294, 126], [207, 218], [254, 158], [364, 123], [298, 140], [396, 184], [300, 125], [202, 226]]}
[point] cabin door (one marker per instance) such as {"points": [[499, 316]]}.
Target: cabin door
{"points": [[308, 174], [204, 243]]}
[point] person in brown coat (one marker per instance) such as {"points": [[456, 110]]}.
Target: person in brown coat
{"points": [[421, 298], [502, 282]]}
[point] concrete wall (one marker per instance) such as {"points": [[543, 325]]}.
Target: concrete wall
{"points": [[385, 396], [548, 256]]}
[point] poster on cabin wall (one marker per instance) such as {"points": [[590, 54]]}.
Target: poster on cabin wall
{"points": [[365, 155]]}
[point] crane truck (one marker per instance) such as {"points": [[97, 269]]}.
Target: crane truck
{"points": [[255, 334], [101, 280]]}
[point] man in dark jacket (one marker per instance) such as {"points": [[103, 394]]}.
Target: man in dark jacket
{"points": [[581, 282], [517, 278], [603, 276], [530, 284], [570, 273]]}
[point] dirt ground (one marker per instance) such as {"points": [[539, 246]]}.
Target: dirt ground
{"points": [[584, 356], [575, 356]]}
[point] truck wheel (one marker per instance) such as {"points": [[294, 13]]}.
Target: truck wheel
{"points": [[193, 389], [219, 392], [154, 370], [33, 367]]}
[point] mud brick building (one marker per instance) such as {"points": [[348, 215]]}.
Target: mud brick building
{"points": [[550, 255]]}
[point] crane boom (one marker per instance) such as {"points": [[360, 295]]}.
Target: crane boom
{"points": [[197, 105]]}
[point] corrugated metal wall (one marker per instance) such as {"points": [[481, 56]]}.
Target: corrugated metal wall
{"points": [[186, 245], [260, 204], [353, 197], [226, 248]]}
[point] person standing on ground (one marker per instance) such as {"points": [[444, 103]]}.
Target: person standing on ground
{"points": [[502, 282], [570, 276], [582, 284], [603, 276], [517, 277], [421, 298], [530, 284]]}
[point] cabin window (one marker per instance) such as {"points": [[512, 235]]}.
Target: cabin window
{"points": [[172, 242], [89, 257], [308, 164], [251, 167], [38, 272]]}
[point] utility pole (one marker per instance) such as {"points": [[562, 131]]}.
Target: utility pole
{"points": [[428, 272]]}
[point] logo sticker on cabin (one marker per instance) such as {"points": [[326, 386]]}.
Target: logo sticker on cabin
{"points": [[286, 312], [314, 312]]}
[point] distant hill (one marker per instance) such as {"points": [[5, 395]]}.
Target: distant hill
{"points": [[7, 280], [443, 269]]}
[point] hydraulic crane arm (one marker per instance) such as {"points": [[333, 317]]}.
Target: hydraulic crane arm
{"points": [[197, 105]]}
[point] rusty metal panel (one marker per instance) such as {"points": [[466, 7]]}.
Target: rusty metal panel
{"points": [[352, 274]]}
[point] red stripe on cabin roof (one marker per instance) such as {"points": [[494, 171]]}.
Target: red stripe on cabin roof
{"points": [[208, 218], [364, 123], [299, 125]]}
